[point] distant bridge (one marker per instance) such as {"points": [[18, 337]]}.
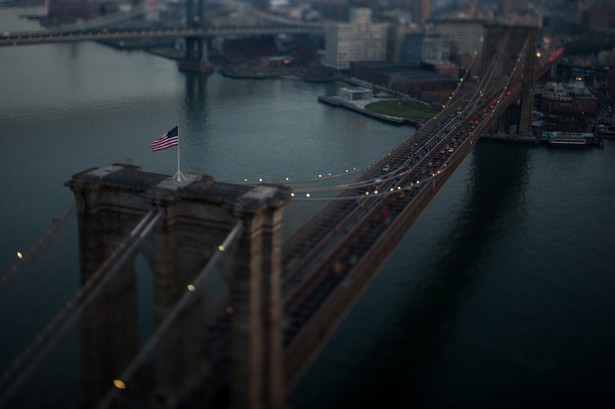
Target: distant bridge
{"points": [[104, 28], [240, 314], [194, 31], [48, 37]]}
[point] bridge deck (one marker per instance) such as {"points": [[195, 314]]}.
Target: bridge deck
{"points": [[328, 263]]}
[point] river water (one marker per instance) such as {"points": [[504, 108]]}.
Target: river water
{"points": [[501, 294]]}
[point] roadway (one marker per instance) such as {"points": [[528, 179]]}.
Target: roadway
{"points": [[330, 260]]}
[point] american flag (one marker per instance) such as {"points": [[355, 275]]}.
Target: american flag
{"points": [[169, 139]]}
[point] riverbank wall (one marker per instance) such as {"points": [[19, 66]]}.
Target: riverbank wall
{"points": [[340, 102]]}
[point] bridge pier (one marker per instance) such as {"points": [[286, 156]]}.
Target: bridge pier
{"points": [[500, 36], [527, 87], [197, 216], [503, 122], [197, 55]]}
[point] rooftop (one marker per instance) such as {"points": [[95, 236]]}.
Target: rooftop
{"points": [[415, 74]]}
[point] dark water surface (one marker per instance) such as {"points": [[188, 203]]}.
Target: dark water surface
{"points": [[501, 294]]}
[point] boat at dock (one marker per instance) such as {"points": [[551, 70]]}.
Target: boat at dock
{"points": [[573, 139]]}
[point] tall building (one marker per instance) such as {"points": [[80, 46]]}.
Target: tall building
{"points": [[610, 85], [152, 10], [435, 48], [597, 15], [419, 9], [358, 40], [466, 36], [507, 8], [473, 8], [413, 48], [332, 10]]}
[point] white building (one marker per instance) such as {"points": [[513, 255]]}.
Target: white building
{"points": [[555, 92], [359, 40], [356, 94]]}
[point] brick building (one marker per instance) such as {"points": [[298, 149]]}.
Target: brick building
{"points": [[422, 83]]}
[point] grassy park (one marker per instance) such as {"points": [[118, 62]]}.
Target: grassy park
{"points": [[403, 109]]}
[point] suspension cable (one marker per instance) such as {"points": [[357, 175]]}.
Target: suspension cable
{"points": [[36, 247], [120, 383], [320, 177], [92, 287]]}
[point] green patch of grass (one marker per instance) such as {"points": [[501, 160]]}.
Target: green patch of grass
{"points": [[403, 109]]}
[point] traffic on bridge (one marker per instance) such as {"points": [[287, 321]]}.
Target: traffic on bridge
{"points": [[333, 257]]}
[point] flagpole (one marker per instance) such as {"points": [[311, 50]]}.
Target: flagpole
{"points": [[180, 176], [178, 143]]}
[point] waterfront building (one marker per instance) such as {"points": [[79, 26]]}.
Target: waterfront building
{"points": [[356, 94], [584, 101], [554, 91], [70, 11], [417, 82], [358, 40], [572, 99]]}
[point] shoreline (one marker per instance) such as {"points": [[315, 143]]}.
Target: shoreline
{"points": [[337, 101]]}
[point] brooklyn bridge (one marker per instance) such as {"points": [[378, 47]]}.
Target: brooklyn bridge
{"points": [[240, 313]]}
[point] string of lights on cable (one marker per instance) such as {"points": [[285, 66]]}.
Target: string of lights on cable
{"points": [[24, 256]]}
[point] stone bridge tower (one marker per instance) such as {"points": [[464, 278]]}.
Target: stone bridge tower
{"points": [[196, 217], [519, 43]]}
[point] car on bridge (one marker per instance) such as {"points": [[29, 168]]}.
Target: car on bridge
{"points": [[378, 183]]}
